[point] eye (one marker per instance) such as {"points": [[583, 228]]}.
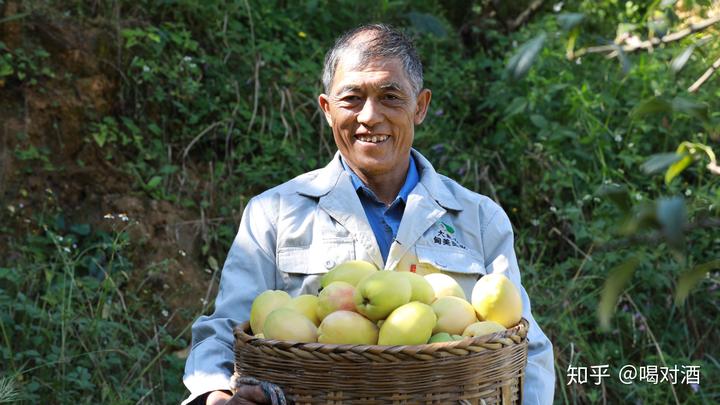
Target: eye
{"points": [[351, 99], [391, 97]]}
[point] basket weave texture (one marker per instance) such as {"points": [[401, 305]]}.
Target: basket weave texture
{"points": [[483, 370]]}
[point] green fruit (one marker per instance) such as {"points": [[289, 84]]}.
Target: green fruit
{"points": [[445, 285], [421, 289], [440, 337], [410, 324], [337, 296], [482, 328], [379, 294], [351, 272], [307, 305], [454, 315]]}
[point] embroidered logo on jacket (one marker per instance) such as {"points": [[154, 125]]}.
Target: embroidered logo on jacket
{"points": [[445, 236]]}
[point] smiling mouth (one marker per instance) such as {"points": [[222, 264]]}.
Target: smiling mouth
{"points": [[372, 138]]}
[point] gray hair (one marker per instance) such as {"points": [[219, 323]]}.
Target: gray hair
{"points": [[386, 42]]}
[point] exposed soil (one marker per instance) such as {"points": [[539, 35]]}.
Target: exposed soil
{"points": [[53, 116]]}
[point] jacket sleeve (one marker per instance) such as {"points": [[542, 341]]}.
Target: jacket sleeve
{"points": [[249, 270], [539, 386]]}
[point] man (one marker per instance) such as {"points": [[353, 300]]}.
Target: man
{"points": [[378, 200]]}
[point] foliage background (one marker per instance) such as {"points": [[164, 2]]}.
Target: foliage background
{"points": [[135, 131]]}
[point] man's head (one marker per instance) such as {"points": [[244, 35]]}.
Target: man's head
{"points": [[373, 100]]}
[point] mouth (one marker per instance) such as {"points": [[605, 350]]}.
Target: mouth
{"points": [[372, 138]]}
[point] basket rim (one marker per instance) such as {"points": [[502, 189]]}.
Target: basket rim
{"points": [[516, 333]]}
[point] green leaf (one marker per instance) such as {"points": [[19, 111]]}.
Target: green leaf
{"points": [[80, 229], [427, 23], [676, 168], [522, 61], [618, 195], [672, 215], [658, 162], [691, 108], [618, 278], [154, 182], [652, 106], [568, 21], [679, 61], [539, 121], [517, 106], [690, 278]]}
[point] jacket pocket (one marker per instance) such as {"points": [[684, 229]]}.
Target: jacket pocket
{"points": [[302, 267], [464, 265]]}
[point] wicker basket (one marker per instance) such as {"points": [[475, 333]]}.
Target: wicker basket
{"points": [[483, 370]]}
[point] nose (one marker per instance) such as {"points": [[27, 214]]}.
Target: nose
{"points": [[369, 114]]}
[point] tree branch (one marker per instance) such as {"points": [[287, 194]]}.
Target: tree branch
{"points": [[650, 43], [699, 82], [525, 15], [655, 238]]}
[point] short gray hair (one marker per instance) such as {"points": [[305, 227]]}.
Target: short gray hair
{"points": [[387, 42]]}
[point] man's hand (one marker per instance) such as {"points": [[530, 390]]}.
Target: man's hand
{"points": [[245, 395]]}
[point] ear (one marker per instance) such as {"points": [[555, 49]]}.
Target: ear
{"points": [[423, 101], [324, 104]]}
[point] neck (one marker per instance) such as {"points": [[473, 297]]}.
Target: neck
{"points": [[386, 186]]}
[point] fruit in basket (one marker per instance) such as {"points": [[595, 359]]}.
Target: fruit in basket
{"points": [[351, 272], [409, 324], [347, 327], [307, 305], [379, 294], [482, 328], [286, 324], [337, 296], [421, 289], [263, 305], [440, 337], [453, 315], [495, 298], [444, 285]]}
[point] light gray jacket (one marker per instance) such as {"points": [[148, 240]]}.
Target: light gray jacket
{"points": [[291, 234]]}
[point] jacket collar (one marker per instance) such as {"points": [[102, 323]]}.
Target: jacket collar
{"points": [[327, 178]]}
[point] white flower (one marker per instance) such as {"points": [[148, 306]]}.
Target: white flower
{"points": [[557, 7], [182, 253], [638, 196], [688, 192], [553, 208], [187, 58], [146, 68], [618, 138], [165, 313], [578, 61]]}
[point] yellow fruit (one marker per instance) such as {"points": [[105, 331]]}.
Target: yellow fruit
{"points": [[445, 285], [410, 324], [337, 296], [286, 324], [306, 304], [495, 298], [263, 305], [379, 294], [347, 327], [351, 272], [454, 315], [482, 328], [421, 289]]}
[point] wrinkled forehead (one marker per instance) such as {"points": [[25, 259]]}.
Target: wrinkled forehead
{"points": [[353, 60]]}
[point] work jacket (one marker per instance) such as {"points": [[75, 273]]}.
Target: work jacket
{"points": [[292, 234]]}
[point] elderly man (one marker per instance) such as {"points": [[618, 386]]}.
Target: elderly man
{"points": [[378, 200]]}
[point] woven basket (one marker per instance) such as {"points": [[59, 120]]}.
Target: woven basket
{"points": [[483, 370]]}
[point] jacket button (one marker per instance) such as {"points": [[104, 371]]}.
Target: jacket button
{"points": [[329, 264]]}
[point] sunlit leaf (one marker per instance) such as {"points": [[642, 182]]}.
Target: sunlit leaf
{"points": [[652, 106], [568, 21], [657, 163], [672, 215], [690, 278], [676, 168], [154, 182], [679, 61], [522, 61], [615, 283]]}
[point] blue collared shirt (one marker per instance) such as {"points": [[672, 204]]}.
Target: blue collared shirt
{"points": [[384, 220]]}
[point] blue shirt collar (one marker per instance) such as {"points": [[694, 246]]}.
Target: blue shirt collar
{"points": [[411, 180]]}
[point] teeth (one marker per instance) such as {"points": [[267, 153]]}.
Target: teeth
{"points": [[374, 138]]}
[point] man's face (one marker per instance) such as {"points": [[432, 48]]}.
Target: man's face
{"points": [[373, 111]]}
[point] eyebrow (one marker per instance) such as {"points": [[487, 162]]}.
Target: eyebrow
{"points": [[393, 86]]}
